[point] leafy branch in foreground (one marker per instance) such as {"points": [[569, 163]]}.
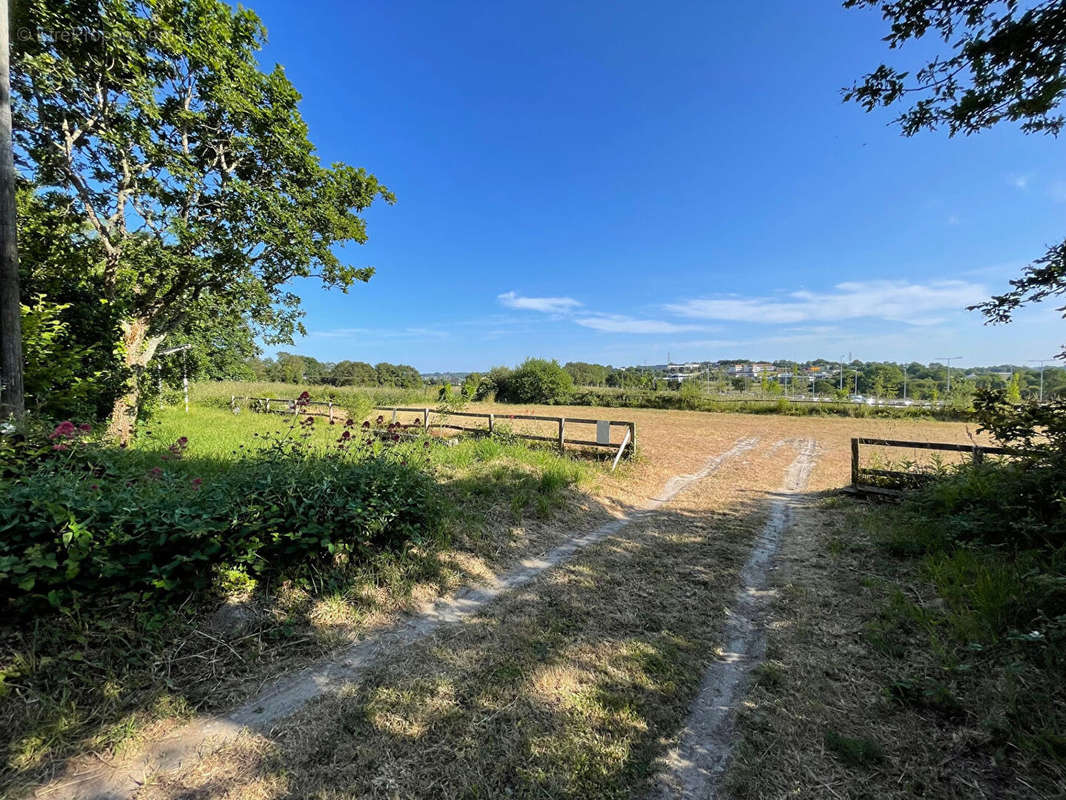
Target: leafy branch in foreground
{"points": [[1005, 63]]}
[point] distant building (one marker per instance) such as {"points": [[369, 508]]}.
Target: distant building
{"points": [[683, 372], [759, 369]]}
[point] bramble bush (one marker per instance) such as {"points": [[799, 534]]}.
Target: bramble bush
{"points": [[1018, 503], [83, 520]]}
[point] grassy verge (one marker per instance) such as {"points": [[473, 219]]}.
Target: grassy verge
{"points": [[99, 676], [903, 663]]}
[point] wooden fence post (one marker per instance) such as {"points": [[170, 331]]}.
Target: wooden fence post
{"points": [[562, 432], [621, 449], [331, 411], [854, 462], [267, 405], [425, 419], [492, 424], [632, 438]]}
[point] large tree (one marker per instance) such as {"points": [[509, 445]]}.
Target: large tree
{"points": [[1003, 61], [190, 168]]}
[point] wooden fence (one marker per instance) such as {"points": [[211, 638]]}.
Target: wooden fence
{"points": [[627, 446], [858, 473]]}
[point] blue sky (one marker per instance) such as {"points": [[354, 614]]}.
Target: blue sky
{"points": [[617, 182]]}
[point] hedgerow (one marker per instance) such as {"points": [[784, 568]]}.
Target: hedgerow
{"points": [[81, 520]]}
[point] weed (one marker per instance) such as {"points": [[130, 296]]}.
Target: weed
{"points": [[854, 751]]}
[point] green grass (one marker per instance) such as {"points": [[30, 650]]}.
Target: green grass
{"points": [[854, 751], [219, 393]]}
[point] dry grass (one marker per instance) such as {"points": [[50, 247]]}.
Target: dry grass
{"points": [[571, 687], [673, 442], [825, 717]]}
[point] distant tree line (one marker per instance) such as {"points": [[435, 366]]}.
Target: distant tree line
{"points": [[293, 368]]}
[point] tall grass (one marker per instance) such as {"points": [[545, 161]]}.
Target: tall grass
{"points": [[216, 437]]}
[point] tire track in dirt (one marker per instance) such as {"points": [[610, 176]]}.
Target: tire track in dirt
{"points": [[289, 693], [693, 768]]}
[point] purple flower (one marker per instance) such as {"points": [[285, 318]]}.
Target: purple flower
{"points": [[65, 429]]}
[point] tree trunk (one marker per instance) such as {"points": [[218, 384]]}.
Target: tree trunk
{"points": [[138, 348], [12, 398]]}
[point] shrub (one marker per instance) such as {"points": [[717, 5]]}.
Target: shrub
{"points": [[690, 394], [536, 380], [59, 378], [89, 521], [470, 386]]}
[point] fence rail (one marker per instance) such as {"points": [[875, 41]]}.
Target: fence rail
{"points": [[977, 454], [602, 439]]}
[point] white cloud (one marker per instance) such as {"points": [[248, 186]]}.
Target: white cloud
{"points": [[614, 323], [898, 301], [548, 305], [1020, 181]]}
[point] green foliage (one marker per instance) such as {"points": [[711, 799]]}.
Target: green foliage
{"points": [[470, 386], [1037, 429], [58, 376], [854, 751], [185, 172], [771, 387], [1014, 389], [401, 376], [488, 387], [1006, 63], [536, 380], [991, 539], [94, 521], [585, 374], [353, 373], [690, 394]]}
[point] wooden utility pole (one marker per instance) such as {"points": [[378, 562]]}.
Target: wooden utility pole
{"points": [[13, 400]]}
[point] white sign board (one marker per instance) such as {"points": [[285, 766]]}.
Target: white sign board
{"points": [[603, 431]]}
